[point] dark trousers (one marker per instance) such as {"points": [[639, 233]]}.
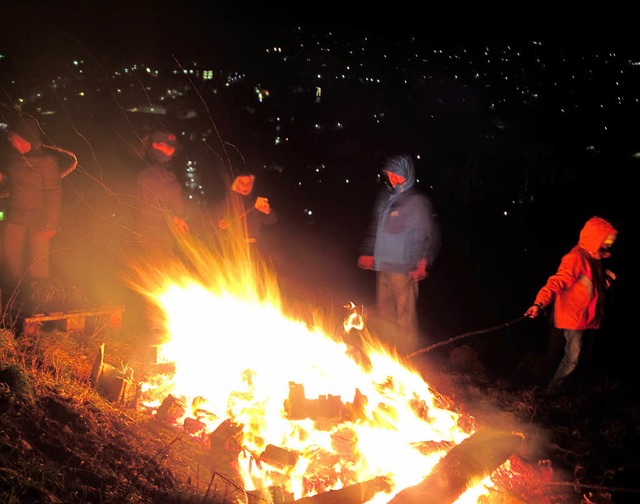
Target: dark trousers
{"points": [[25, 254]]}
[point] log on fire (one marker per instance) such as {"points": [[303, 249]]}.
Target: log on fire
{"points": [[463, 467], [357, 493], [171, 409], [279, 457], [226, 444], [326, 408]]}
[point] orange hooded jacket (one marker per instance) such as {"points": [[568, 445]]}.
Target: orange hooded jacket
{"points": [[579, 284]]}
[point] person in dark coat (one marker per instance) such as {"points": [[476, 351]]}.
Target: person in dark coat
{"points": [[31, 179], [160, 218], [401, 247], [242, 208], [161, 207]]}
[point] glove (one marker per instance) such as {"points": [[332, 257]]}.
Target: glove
{"points": [[365, 262], [420, 273]]}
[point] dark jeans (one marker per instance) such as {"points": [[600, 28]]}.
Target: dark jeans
{"points": [[25, 254]]}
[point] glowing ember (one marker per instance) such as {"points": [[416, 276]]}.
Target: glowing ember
{"points": [[309, 412]]}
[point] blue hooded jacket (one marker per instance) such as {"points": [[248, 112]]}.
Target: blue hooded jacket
{"points": [[403, 229]]}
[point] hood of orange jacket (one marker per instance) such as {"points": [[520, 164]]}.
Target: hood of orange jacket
{"points": [[594, 233]]}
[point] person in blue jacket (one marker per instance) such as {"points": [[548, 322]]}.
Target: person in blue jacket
{"points": [[401, 246]]}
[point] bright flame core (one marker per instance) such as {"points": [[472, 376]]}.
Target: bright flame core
{"points": [[342, 413]]}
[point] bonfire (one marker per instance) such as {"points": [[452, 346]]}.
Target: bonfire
{"points": [[301, 409]]}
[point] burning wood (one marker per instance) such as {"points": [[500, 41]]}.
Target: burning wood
{"points": [[319, 450], [272, 495], [324, 408], [463, 467], [279, 457], [226, 441], [171, 409], [194, 427], [352, 494], [427, 447]]}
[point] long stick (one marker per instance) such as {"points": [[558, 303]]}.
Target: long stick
{"points": [[465, 335]]}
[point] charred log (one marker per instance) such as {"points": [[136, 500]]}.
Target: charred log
{"points": [[429, 447], [272, 495], [279, 457], [193, 426], [171, 409], [463, 467], [227, 439], [226, 444], [352, 494], [327, 409]]}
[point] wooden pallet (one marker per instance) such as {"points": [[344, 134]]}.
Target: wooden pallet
{"points": [[110, 316]]}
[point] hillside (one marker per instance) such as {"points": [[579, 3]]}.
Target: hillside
{"points": [[62, 442]]}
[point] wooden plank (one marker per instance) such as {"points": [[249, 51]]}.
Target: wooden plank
{"points": [[113, 311], [74, 321]]}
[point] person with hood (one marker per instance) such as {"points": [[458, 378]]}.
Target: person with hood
{"points": [[577, 291], [30, 175], [161, 204], [401, 247]]}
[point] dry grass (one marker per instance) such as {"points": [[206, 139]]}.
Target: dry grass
{"points": [[62, 442]]}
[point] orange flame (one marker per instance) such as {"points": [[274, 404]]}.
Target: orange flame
{"points": [[341, 413]]}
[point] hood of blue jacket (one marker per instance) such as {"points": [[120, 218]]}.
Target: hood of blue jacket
{"points": [[401, 164]]}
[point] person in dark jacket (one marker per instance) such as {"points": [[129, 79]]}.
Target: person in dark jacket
{"points": [[161, 204], [401, 246], [577, 291], [32, 180], [160, 218], [242, 208]]}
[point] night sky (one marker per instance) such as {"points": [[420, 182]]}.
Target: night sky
{"points": [[146, 28]]}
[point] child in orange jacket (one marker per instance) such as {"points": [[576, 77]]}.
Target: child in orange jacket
{"points": [[577, 291]]}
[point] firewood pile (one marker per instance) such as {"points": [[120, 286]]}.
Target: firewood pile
{"points": [[464, 465]]}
